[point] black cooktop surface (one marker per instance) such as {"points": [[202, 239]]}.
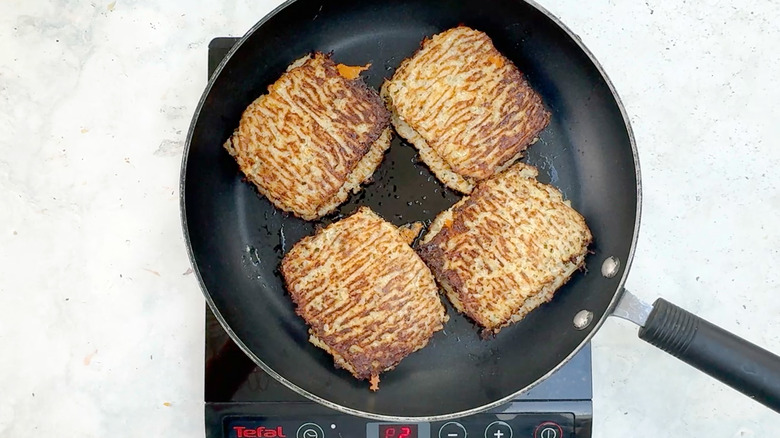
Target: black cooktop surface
{"points": [[232, 377]]}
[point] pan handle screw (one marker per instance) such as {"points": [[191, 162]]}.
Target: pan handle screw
{"points": [[610, 267], [582, 319]]}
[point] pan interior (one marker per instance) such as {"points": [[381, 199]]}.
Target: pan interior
{"points": [[237, 239]]}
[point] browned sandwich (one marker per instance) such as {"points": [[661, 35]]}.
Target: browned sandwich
{"points": [[505, 249], [317, 135], [367, 297], [466, 108]]}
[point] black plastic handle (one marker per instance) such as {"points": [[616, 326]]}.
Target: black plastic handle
{"points": [[732, 360]]}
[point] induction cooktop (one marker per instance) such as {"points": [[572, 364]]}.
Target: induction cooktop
{"points": [[241, 400]]}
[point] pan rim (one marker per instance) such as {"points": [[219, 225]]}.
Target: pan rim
{"points": [[392, 418]]}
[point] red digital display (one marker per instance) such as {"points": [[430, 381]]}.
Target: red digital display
{"points": [[397, 431]]}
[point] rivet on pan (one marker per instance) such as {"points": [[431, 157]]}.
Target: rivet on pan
{"points": [[610, 267], [582, 319]]}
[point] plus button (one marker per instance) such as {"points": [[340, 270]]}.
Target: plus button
{"points": [[498, 429]]}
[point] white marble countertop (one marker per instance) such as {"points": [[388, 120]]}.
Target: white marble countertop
{"points": [[102, 330]]}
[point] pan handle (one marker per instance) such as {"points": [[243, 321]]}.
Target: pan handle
{"points": [[734, 361]]}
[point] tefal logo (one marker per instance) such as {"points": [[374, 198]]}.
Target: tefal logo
{"points": [[259, 432]]}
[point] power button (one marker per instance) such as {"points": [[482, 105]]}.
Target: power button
{"points": [[548, 429]]}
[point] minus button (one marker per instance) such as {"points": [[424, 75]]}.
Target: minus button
{"points": [[453, 429]]}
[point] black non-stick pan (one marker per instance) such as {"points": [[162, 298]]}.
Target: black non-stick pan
{"points": [[236, 238]]}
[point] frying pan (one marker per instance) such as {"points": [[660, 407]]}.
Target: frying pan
{"points": [[236, 238]]}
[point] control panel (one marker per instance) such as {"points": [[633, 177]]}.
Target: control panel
{"points": [[525, 425]]}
